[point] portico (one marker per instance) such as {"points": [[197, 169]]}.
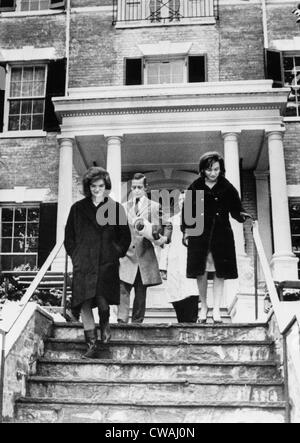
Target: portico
{"points": [[163, 130]]}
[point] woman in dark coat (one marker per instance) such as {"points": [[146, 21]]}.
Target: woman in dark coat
{"points": [[96, 237], [214, 250]]}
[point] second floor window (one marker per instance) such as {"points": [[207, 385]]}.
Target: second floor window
{"points": [[292, 79], [26, 94], [284, 69], [190, 69], [27, 98], [165, 72], [30, 5]]}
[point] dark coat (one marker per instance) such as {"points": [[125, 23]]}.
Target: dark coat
{"points": [[217, 237], [95, 251]]}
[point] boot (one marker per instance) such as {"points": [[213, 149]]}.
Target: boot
{"points": [[91, 340], [104, 326]]}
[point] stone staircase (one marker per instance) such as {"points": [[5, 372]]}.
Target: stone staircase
{"points": [[158, 374]]}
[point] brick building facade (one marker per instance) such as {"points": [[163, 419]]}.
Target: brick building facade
{"points": [[106, 70]]}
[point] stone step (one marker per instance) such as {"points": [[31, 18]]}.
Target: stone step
{"points": [[149, 370], [73, 411], [183, 333], [165, 350], [156, 391]]}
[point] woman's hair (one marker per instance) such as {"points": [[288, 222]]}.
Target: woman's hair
{"points": [[93, 174], [208, 159]]}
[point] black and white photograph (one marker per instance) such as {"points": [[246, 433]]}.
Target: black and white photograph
{"points": [[149, 214]]}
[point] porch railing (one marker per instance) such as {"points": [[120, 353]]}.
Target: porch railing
{"points": [[163, 11], [285, 320], [22, 305]]}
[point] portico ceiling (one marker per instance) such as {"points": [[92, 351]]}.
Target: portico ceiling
{"points": [[149, 152]]}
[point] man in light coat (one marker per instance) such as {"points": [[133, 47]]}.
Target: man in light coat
{"points": [[139, 268]]}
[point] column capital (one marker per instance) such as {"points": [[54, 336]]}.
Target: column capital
{"points": [[275, 135], [65, 139], [233, 135], [118, 137]]}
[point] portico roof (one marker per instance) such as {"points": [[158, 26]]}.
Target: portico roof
{"points": [[127, 106], [170, 125]]}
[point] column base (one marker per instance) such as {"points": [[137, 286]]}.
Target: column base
{"points": [[284, 268], [242, 309]]}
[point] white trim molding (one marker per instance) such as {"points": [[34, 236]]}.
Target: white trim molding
{"points": [[165, 48], [28, 53], [293, 191], [286, 45], [21, 194]]}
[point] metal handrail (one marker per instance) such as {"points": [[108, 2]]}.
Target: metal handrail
{"points": [[284, 323], [268, 276], [23, 303]]}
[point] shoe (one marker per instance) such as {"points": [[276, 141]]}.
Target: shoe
{"points": [[104, 326], [217, 317], [203, 316], [91, 341]]}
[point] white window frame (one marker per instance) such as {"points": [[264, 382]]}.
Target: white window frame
{"points": [[19, 6], [166, 59], [13, 206], [7, 98], [285, 55], [290, 198]]}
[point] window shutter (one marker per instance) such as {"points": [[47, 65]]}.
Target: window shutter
{"points": [[7, 5], [133, 74], [47, 231], [274, 69], [57, 4], [197, 69], [56, 83]]}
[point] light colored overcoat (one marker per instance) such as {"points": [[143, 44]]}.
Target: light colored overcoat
{"points": [[141, 254]]}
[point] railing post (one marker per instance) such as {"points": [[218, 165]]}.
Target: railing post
{"points": [[64, 297], [256, 279], [286, 380], [2, 369]]}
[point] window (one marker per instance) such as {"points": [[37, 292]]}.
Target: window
{"points": [[163, 11], [292, 79], [166, 72], [30, 5], [27, 98], [156, 71], [19, 237], [34, 5], [284, 69], [294, 205], [28, 102]]}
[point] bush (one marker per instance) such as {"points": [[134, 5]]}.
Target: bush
{"points": [[11, 290]]}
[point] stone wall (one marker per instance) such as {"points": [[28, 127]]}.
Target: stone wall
{"points": [[21, 360]]}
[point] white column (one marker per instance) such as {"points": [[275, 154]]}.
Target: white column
{"points": [[237, 291], [264, 210], [232, 166], [114, 165], [65, 184], [284, 262], [65, 197]]}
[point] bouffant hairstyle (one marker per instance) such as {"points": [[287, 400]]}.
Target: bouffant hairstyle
{"points": [[208, 159], [92, 175], [140, 176]]}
